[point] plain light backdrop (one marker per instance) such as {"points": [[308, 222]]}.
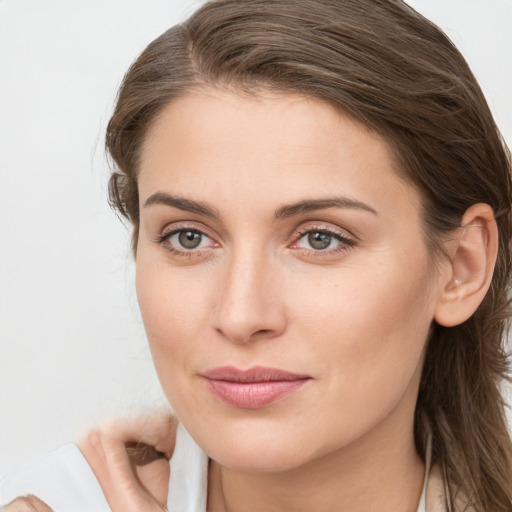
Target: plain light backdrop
{"points": [[72, 346]]}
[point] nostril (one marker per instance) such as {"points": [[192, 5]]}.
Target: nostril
{"points": [[261, 332]]}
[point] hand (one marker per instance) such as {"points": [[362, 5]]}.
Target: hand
{"points": [[27, 504], [130, 459]]}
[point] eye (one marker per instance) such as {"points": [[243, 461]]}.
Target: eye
{"points": [[185, 241], [313, 241], [318, 240]]}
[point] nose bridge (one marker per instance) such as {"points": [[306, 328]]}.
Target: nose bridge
{"points": [[247, 305]]}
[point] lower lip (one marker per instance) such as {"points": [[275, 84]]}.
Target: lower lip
{"points": [[253, 395]]}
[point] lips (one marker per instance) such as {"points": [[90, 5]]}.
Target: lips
{"points": [[253, 388]]}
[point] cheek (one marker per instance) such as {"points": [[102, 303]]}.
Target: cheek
{"points": [[367, 328], [175, 307]]}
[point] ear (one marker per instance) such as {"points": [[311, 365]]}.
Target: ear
{"points": [[472, 258]]}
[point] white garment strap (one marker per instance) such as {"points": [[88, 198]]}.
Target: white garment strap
{"points": [[189, 475], [62, 479], [422, 507]]}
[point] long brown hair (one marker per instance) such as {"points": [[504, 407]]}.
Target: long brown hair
{"points": [[389, 68]]}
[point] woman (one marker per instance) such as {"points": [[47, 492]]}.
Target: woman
{"points": [[320, 203]]}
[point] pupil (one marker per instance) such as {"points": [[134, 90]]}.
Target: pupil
{"points": [[189, 239], [319, 240]]}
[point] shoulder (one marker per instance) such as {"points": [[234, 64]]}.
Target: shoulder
{"points": [[60, 479], [94, 474]]}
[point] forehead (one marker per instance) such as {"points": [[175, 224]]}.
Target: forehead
{"points": [[268, 146]]}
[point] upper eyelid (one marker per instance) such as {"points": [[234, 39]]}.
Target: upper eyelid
{"points": [[176, 227], [341, 232]]}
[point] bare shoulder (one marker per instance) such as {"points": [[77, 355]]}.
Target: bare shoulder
{"points": [[27, 504]]}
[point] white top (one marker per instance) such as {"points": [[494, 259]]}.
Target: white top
{"points": [[66, 483], [62, 479]]}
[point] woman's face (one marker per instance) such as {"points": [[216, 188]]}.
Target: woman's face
{"points": [[283, 279]]}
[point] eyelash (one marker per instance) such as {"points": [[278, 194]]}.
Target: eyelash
{"points": [[345, 243], [164, 238]]}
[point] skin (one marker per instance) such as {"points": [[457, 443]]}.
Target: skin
{"points": [[353, 317]]}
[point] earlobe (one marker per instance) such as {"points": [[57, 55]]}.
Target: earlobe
{"points": [[472, 261]]}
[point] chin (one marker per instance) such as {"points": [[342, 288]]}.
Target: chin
{"points": [[256, 445], [259, 457]]}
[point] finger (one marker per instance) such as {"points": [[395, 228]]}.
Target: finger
{"points": [[122, 482], [117, 476], [142, 454], [156, 430], [154, 477], [27, 504]]}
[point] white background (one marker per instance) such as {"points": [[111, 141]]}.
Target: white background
{"points": [[72, 347]]}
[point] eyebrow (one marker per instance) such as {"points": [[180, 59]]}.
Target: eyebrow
{"points": [[284, 212], [181, 203], [320, 204]]}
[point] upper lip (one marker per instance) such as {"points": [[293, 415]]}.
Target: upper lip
{"points": [[255, 374]]}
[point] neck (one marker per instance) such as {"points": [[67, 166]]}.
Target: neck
{"points": [[381, 471]]}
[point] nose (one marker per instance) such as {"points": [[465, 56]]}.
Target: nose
{"points": [[249, 305]]}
